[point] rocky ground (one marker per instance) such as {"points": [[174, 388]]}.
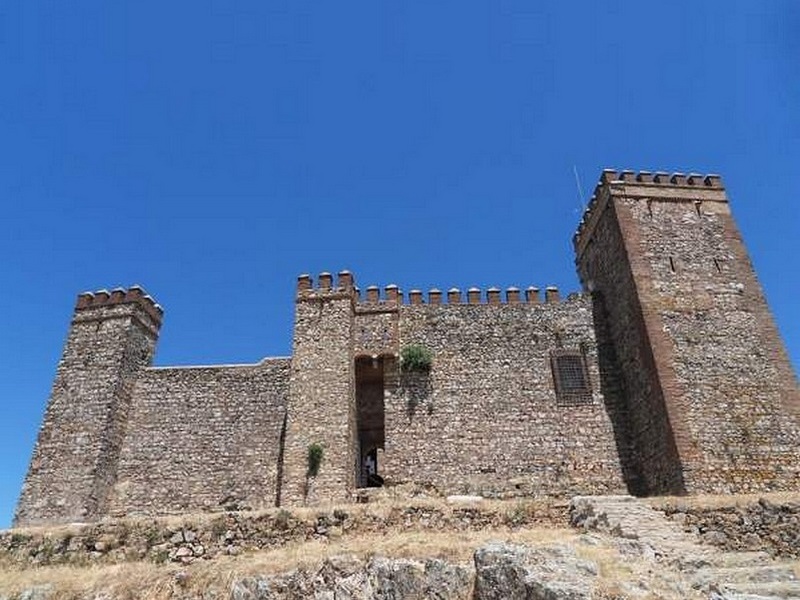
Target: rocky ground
{"points": [[594, 548], [766, 525]]}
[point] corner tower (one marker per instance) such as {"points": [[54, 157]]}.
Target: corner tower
{"points": [[712, 399], [112, 336]]}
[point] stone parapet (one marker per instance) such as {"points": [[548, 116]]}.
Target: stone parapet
{"points": [[492, 296], [674, 187], [307, 289], [97, 304]]}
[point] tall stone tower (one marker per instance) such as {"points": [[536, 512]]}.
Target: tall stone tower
{"points": [[712, 399], [321, 405], [112, 336]]}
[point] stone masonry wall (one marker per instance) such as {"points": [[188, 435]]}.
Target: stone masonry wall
{"points": [[194, 538], [112, 336], [612, 382], [669, 248], [321, 405], [738, 389], [485, 419], [604, 267], [769, 525], [203, 439]]}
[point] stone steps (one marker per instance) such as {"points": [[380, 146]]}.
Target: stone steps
{"points": [[775, 590], [628, 517], [724, 575], [739, 559], [704, 578]]}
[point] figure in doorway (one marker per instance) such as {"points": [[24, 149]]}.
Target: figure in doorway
{"points": [[371, 469]]}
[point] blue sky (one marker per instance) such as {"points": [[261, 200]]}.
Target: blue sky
{"points": [[213, 151]]}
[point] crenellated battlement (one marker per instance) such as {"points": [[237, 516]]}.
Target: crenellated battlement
{"points": [[454, 296], [492, 296], [391, 295], [659, 185], [308, 289], [133, 295], [660, 178]]}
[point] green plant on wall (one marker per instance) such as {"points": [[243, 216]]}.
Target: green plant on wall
{"points": [[315, 453], [415, 358]]}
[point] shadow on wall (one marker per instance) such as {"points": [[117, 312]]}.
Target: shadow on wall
{"points": [[612, 386]]}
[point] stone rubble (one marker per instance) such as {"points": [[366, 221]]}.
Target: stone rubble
{"points": [[772, 527], [229, 534]]}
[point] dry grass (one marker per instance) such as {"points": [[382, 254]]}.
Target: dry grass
{"points": [[120, 581], [154, 582], [381, 509], [161, 581], [619, 574], [709, 501], [608, 560], [126, 579]]}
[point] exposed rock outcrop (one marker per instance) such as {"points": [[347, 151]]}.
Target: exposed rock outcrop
{"points": [[504, 571], [347, 578]]}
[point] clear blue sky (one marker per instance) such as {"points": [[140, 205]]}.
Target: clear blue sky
{"points": [[213, 151]]}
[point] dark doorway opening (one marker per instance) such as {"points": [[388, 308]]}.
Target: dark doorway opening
{"points": [[370, 419]]}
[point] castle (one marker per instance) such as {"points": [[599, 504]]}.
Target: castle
{"points": [[665, 375]]}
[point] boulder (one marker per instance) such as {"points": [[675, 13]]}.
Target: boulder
{"points": [[347, 578], [509, 572]]}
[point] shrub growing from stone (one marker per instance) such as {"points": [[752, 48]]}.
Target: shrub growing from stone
{"points": [[315, 453], [415, 358]]}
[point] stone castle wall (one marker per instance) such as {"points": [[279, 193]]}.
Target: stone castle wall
{"points": [[486, 419], [689, 386], [203, 438]]}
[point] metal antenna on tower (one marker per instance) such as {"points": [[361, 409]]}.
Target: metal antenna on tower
{"points": [[580, 189]]}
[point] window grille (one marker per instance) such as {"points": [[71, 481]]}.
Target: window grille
{"points": [[571, 377]]}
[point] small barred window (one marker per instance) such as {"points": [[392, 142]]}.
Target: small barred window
{"points": [[571, 377]]}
